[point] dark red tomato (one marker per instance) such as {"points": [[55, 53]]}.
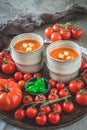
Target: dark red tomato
{"points": [[66, 34], [57, 107], [37, 75], [81, 97], [3, 53], [76, 33], [70, 26], [63, 92], [39, 98], [18, 76], [56, 27], [54, 90], [60, 85], [19, 114], [11, 79], [52, 82], [55, 36], [52, 96], [53, 117], [45, 109], [7, 57], [83, 65], [31, 112], [41, 119], [68, 107], [48, 31], [8, 67], [1, 61], [27, 99], [27, 76], [75, 85]]}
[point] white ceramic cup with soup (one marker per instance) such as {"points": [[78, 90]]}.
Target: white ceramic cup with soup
{"points": [[63, 69], [26, 56]]}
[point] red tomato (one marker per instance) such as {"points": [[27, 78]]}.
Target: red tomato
{"points": [[53, 117], [19, 114], [52, 96], [57, 107], [60, 85], [7, 57], [3, 53], [76, 33], [45, 109], [39, 98], [27, 76], [18, 76], [31, 112], [21, 84], [68, 107], [1, 61], [52, 82], [83, 66], [11, 79], [56, 27], [66, 34], [8, 67], [75, 85], [48, 31], [37, 75], [27, 99], [41, 119], [55, 36], [81, 97], [54, 90], [63, 92]]}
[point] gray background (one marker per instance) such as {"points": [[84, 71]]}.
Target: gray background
{"points": [[10, 8]]}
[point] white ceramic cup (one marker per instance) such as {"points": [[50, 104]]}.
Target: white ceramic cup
{"points": [[63, 70], [28, 62]]}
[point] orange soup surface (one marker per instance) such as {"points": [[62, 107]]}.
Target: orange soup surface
{"points": [[64, 53], [27, 45]]}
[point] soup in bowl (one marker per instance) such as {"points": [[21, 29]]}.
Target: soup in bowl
{"points": [[27, 51], [63, 60]]}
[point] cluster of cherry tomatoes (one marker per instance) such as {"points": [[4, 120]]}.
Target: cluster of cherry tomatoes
{"points": [[63, 32]]}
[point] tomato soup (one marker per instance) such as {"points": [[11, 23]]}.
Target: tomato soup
{"points": [[64, 53], [27, 45]]}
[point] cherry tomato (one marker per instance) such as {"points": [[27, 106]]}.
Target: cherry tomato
{"points": [[70, 26], [7, 57], [57, 107], [48, 31], [60, 85], [68, 107], [45, 109], [27, 99], [8, 67], [52, 96], [63, 92], [37, 75], [53, 117], [66, 34], [75, 85], [81, 97], [19, 114], [11, 79], [83, 65], [41, 119], [18, 76], [56, 27], [76, 33], [1, 61], [31, 112], [27, 76], [52, 82], [54, 90], [3, 53], [55, 36], [21, 83], [39, 98]]}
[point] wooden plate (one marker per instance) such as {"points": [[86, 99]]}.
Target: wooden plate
{"points": [[66, 119]]}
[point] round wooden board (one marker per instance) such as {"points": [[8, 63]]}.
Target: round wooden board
{"points": [[66, 119]]}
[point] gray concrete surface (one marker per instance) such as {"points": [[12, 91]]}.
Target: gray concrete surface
{"points": [[10, 8]]}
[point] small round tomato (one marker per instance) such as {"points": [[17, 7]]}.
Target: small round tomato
{"points": [[31, 112], [8, 67], [21, 83], [60, 85], [53, 117], [18, 76], [19, 114], [81, 97], [11, 79], [45, 109], [68, 107], [66, 34], [76, 33], [52, 96], [7, 57], [63, 92], [56, 27], [52, 82], [1, 61], [75, 85], [57, 107], [40, 98], [27, 99], [83, 65], [3, 53], [27, 76], [48, 31], [41, 119], [37, 75], [54, 90], [55, 36]]}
